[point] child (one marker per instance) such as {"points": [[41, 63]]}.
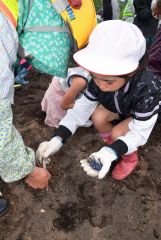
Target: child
{"points": [[61, 95], [125, 92]]}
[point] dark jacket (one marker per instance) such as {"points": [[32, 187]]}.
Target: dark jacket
{"points": [[144, 19]]}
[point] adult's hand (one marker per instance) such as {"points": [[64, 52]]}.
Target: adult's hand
{"points": [[46, 149], [38, 179]]}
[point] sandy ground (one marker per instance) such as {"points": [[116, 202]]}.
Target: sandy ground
{"points": [[77, 206]]}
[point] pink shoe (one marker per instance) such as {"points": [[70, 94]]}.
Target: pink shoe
{"points": [[125, 166], [106, 137]]}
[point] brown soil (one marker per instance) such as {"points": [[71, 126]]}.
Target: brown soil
{"points": [[77, 206]]}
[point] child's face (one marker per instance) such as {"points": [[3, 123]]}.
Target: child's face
{"points": [[108, 83]]}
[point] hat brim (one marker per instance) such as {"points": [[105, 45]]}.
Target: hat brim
{"points": [[105, 66]]}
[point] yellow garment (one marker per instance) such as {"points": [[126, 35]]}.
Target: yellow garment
{"points": [[10, 9], [80, 21]]}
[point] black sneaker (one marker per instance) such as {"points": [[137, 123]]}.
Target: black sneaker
{"points": [[4, 206]]}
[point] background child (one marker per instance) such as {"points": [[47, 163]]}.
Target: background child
{"points": [[62, 93], [124, 91]]}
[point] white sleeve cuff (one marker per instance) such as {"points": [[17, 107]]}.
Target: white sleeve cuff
{"points": [[138, 134]]}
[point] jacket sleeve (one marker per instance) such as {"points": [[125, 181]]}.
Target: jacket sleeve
{"points": [[138, 134], [76, 117]]}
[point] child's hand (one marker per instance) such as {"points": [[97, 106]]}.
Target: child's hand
{"points": [[46, 149], [99, 162]]}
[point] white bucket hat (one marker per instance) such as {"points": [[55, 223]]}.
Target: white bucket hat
{"points": [[115, 48]]}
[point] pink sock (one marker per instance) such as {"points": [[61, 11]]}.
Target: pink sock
{"points": [[106, 137]]}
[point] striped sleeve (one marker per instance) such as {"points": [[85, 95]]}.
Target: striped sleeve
{"points": [[91, 92], [76, 117]]}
